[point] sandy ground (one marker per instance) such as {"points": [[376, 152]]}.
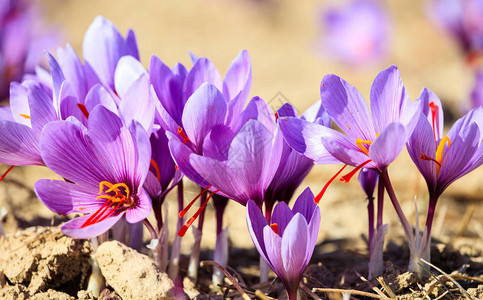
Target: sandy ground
{"points": [[281, 38]]}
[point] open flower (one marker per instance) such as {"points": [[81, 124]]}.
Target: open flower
{"points": [[106, 166], [286, 244]]}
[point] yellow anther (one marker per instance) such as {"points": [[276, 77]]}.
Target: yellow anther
{"points": [[104, 183], [360, 144], [116, 186], [439, 151], [25, 116]]}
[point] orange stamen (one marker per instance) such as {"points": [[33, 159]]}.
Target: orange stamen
{"points": [[346, 178], [183, 134], [322, 192], [156, 169], [83, 109], [6, 172], [360, 144], [185, 227], [274, 227], [112, 203], [25, 116], [185, 210], [434, 109]]}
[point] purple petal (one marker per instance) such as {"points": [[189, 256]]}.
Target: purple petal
{"points": [[217, 142], [281, 216], [131, 44], [138, 103], [128, 71], [305, 204], [74, 229], [19, 104], [238, 78], [103, 47], [388, 145], [317, 114], [368, 180], [57, 79], [257, 109], [287, 110], [422, 141], [6, 114], [256, 222], [142, 209], [425, 98], [66, 198], [98, 95], [41, 108], [203, 110], [389, 98], [73, 70], [313, 232], [345, 151], [19, 145], [203, 71], [273, 245], [306, 138], [347, 108], [294, 249], [162, 157]]}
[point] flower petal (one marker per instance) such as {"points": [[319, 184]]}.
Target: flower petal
{"points": [[256, 222], [347, 108], [19, 145], [142, 209], [281, 216], [294, 250], [203, 71], [273, 245], [389, 98], [74, 229], [388, 145], [99, 95], [305, 204], [66, 198], [306, 138], [203, 110], [19, 104], [128, 71], [238, 78], [41, 108]]}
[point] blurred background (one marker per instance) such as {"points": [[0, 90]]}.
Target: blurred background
{"points": [[292, 45]]}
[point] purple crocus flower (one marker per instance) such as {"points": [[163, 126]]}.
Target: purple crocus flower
{"points": [[287, 243], [462, 19], [443, 159], [106, 165], [477, 92], [356, 33], [21, 41]]}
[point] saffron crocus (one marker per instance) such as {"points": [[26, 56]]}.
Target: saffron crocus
{"points": [[286, 243], [462, 20], [106, 165], [356, 33], [442, 159], [22, 41]]}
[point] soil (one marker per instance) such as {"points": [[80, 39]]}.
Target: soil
{"points": [[38, 262]]}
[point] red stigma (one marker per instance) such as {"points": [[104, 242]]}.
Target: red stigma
{"points": [[274, 227], [5, 174], [183, 134], [185, 210], [185, 227], [322, 192], [434, 110], [346, 178], [276, 116], [83, 109], [425, 157]]}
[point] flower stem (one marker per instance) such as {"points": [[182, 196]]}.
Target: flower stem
{"points": [[380, 203], [370, 214], [268, 210], [195, 255], [433, 200], [175, 250], [150, 228], [402, 218]]}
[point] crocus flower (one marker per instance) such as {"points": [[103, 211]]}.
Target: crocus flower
{"points": [[22, 41], [462, 19], [106, 165], [356, 33], [287, 243], [443, 159], [477, 92]]}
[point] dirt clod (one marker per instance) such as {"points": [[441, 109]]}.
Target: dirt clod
{"points": [[131, 274], [42, 257]]}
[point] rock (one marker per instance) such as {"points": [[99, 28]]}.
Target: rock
{"points": [[43, 257], [51, 294], [85, 295], [15, 292], [131, 274]]}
